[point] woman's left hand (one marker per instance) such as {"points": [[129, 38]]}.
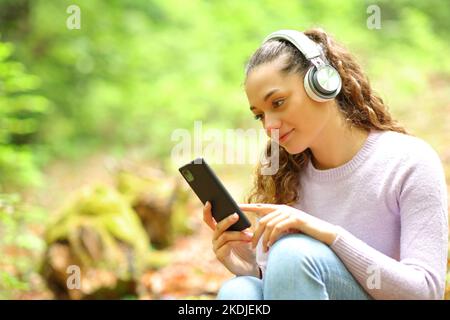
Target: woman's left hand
{"points": [[276, 220]]}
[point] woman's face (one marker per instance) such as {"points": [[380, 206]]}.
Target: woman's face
{"points": [[280, 102]]}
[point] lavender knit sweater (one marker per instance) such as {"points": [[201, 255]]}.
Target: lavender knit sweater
{"points": [[390, 202]]}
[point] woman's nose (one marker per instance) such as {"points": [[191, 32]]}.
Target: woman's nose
{"points": [[271, 124]]}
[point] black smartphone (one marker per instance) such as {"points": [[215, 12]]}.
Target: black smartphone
{"points": [[207, 186]]}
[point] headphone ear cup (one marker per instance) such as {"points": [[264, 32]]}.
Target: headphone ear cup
{"points": [[308, 85], [331, 83]]}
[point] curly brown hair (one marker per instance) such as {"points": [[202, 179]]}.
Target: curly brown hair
{"points": [[361, 107]]}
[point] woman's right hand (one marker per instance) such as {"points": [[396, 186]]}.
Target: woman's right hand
{"points": [[232, 248]]}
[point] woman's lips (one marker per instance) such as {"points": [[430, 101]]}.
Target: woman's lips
{"points": [[285, 136]]}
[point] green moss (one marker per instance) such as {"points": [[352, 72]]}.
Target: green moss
{"points": [[107, 217]]}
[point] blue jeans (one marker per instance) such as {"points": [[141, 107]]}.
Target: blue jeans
{"points": [[299, 267]]}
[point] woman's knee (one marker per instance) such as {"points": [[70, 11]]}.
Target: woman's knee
{"points": [[241, 288], [294, 251], [301, 266]]}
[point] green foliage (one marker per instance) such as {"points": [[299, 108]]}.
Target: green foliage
{"points": [[21, 249], [21, 110], [138, 69], [20, 113]]}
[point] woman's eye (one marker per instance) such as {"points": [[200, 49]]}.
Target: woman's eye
{"points": [[258, 116], [278, 103]]}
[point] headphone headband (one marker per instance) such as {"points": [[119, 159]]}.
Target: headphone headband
{"points": [[306, 46]]}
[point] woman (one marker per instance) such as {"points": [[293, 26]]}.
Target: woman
{"points": [[357, 209]]}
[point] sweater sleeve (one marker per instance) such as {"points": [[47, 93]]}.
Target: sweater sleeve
{"points": [[421, 269]]}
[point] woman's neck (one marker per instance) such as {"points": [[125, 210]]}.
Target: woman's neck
{"points": [[337, 144]]}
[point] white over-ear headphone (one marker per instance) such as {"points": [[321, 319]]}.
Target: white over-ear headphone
{"points": [[322, 82]]}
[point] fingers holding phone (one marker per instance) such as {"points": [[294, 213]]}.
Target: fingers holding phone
{"points": [[242, 262], [223, 240], [211, 222], [220, 235], [207, 216], [230, 243], [222, 245]]}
